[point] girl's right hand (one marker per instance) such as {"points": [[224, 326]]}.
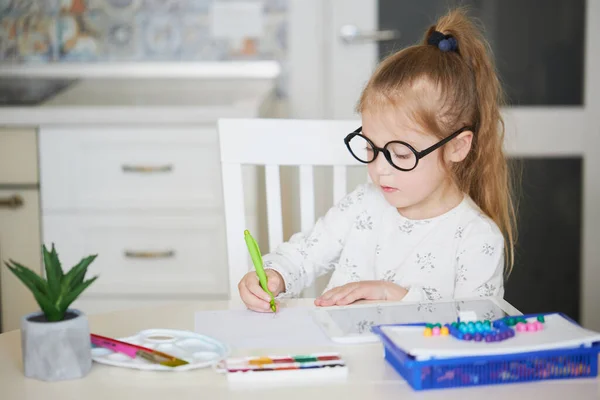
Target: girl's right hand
{"points": [[254, 296]]}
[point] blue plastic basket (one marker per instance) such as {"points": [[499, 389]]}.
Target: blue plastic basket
{"points": [[491, 370]]}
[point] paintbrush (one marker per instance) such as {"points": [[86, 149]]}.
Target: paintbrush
{"points": [[133, 350]]}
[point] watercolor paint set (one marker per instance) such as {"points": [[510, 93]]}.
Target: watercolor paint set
{"points": [[276, 369]]}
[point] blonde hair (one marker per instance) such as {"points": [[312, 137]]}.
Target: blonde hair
{"points": [[445, 91]]}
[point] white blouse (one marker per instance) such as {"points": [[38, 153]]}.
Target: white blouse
{"points": [[455, 255]]}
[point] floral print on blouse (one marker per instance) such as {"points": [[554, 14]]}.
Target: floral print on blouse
{"points": [[456, 255]]}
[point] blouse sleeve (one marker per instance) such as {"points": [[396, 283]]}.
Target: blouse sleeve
{"points": [[308, 255]]}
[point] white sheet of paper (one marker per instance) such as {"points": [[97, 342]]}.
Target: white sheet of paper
{"points": [[289, 327]]}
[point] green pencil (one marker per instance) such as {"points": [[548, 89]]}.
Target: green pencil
{"points": [[258, 265]]}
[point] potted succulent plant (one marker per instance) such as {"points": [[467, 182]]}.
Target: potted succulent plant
{"points": [[56, 340]]}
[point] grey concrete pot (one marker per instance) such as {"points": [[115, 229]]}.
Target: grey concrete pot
{"points": [[56, 351]]}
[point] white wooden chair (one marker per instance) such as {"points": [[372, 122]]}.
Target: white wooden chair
{"points": [[273, 143]]}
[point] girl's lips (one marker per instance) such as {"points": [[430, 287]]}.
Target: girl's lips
{"points": [[388, 189]]}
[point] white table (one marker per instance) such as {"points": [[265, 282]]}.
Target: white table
{"points": [[370, 377]]}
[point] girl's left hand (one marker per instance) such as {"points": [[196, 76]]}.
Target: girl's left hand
{"points": [[365, 290]]}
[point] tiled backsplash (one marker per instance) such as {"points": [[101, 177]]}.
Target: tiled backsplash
{"points": [[104, 30], [142, 30]]}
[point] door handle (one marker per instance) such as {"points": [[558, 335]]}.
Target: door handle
{"points": [[13, 202], [350, 34]]}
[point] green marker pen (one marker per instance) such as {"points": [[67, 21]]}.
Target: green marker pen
{"points": [[258, 265]]}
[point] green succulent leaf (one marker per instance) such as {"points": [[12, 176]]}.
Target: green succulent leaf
{"points": [[53, 271], [55, 294], [76, 275], [72, 295], [26, 275], [34, 283]]}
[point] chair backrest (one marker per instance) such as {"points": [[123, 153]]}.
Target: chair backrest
{"points": [[273, 143]]}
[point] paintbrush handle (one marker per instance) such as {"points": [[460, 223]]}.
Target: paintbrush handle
{"points": [[114, 345], [133, 350]]}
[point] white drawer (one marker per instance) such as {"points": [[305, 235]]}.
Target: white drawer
{"points": [[144, 255], [110, 168]]}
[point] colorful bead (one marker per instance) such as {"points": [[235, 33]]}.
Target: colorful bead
{"points": [[478, 337], [531, 327], [487, 326], [444, 331], [521, 327], [427, 332], [489, 338], [467, 336], [462, 328], [539, 325], [435, 331], [499, 324], [429, 326], [540, 318]]}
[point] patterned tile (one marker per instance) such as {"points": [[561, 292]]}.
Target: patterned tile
{"points": [[8, 39], [18, 7], [131, 30], [161, 35], [121, 40], [35, 37], [80, 36]]}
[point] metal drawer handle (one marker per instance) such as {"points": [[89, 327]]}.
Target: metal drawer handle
{"points": [[13, 202], [147, 169], [150, 254]]}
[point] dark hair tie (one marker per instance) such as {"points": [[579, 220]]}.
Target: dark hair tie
{"points": [[443, 42]]}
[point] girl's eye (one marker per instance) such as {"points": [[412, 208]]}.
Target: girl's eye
{"points": [[369, 149], [403, 156]]}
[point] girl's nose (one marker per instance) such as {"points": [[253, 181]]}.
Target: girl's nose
{"points": [[381, 164]]}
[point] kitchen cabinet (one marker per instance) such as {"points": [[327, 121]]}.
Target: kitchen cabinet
{"points": [[19, 221]]}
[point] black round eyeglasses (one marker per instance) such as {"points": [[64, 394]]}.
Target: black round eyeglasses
{"points": [[399, 154]]}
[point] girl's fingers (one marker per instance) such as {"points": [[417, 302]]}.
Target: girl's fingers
{"points": [[324, 298], [253, 302], [331, 298], [330, 293], [359, 293], [257, 290], [275, 283], [346, 289]]}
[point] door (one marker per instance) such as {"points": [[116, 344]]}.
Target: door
{"points": [[550, 127]]}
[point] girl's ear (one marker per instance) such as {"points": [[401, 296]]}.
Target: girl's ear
{"points": [[458, 148]]}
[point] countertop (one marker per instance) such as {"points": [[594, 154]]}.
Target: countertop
{"points": [[146, 94], [370, 377]]}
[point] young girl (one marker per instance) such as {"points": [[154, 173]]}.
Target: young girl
{"points": [[437, 221]]}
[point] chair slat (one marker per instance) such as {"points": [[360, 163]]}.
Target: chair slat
{"points": [[274, 219], [233, 197], [339, 183], [307, 197]]}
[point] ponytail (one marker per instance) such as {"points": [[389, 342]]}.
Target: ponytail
{"points": [[461, 70]]}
